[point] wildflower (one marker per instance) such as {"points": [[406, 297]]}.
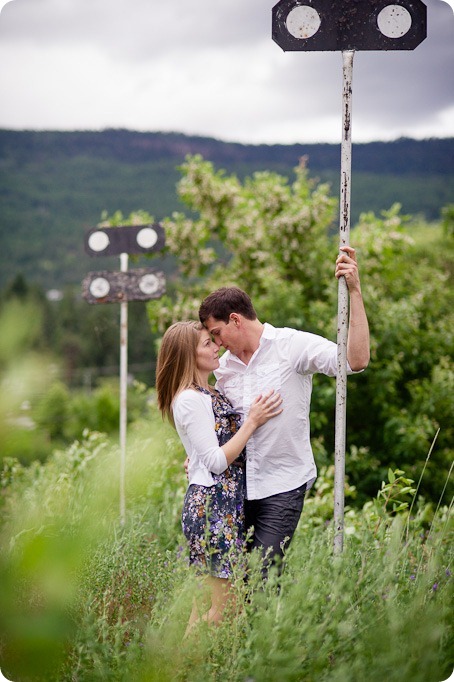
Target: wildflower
{"points": [[413, 576], [434, 587]]}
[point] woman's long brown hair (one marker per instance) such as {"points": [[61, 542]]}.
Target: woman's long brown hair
{"points": [[177, 363]]}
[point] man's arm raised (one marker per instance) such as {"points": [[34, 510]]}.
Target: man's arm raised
{"points": [[358, 342]]}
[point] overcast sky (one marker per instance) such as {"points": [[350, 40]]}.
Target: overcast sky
{"points": [[210, 67]]}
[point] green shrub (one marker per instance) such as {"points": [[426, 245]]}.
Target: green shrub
{"points": [[53, 410]]}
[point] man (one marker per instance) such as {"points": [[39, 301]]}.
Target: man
{"points": [[280, 464]]}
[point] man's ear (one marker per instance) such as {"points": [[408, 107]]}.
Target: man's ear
{"points": [[235, 319]]}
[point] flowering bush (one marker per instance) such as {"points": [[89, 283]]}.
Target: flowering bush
{"points": [[274, 238]]}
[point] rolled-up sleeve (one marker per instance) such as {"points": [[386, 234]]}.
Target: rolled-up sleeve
{"points": [[194, 419], [311, 353]]}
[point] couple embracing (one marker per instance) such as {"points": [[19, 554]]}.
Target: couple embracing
{"points": [[247, 440]]}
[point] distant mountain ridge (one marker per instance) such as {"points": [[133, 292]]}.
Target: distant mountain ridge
{"points": [[404, 156], [54, 185]]}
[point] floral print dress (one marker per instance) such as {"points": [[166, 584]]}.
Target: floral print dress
{"points": [[213, 517]]}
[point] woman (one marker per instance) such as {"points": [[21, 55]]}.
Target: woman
{"points": [[214, 440]]}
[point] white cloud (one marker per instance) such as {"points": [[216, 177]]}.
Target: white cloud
{"points": [[210, 68], [3, 3]]}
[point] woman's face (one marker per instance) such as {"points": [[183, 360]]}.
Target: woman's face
{"points": [[207, 353]]}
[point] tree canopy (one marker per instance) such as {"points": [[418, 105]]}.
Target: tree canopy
{"points": [[274, 238]]}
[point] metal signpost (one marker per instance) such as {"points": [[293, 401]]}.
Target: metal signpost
{"points": [[141, 284], [347, 26]]}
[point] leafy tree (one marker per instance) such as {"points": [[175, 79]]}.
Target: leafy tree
{"points": [[272, 238], [84, 338], [410, 303], [266, 235]]}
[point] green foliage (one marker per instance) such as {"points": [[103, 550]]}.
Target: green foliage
{"points": [[117, 219], [24, 375], [64, 415], [84, 598], [260, 225], [53, 185], [38, 411], [83, 339], [272, 238], [53, 410], [409, 385], [21, 324], [44, 416], [447, 214]]}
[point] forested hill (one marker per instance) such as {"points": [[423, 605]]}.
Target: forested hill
{"points": [[54, 185], [402, 157]]}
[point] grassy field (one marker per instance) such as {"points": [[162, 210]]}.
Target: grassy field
{"points": [[85, 598]]}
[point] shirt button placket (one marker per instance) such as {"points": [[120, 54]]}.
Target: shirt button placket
{"points": [[250, 448]]}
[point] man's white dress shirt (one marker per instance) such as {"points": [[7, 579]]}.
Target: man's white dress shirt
{"points": [[279, 454]]}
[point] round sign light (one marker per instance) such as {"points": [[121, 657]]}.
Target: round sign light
{"points": [[98, 241], [149, 284], [303, 22], [147, 238], [99, 287], [394, 21]]}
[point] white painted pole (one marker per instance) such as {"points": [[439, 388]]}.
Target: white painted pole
{"points": [[123, 391], [342, 311]]}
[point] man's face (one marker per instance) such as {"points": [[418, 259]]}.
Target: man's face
{"points": [[228, 334]]}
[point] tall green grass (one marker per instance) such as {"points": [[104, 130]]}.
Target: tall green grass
{"points": [[83, 598]]}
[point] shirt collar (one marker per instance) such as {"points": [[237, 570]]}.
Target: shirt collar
{"points": [[269, 332]]}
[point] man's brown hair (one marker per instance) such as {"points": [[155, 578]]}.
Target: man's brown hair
{"points": [[222, 302]]}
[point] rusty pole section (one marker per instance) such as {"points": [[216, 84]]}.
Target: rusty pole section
{"points": [[342, 310], [123, 391]]}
